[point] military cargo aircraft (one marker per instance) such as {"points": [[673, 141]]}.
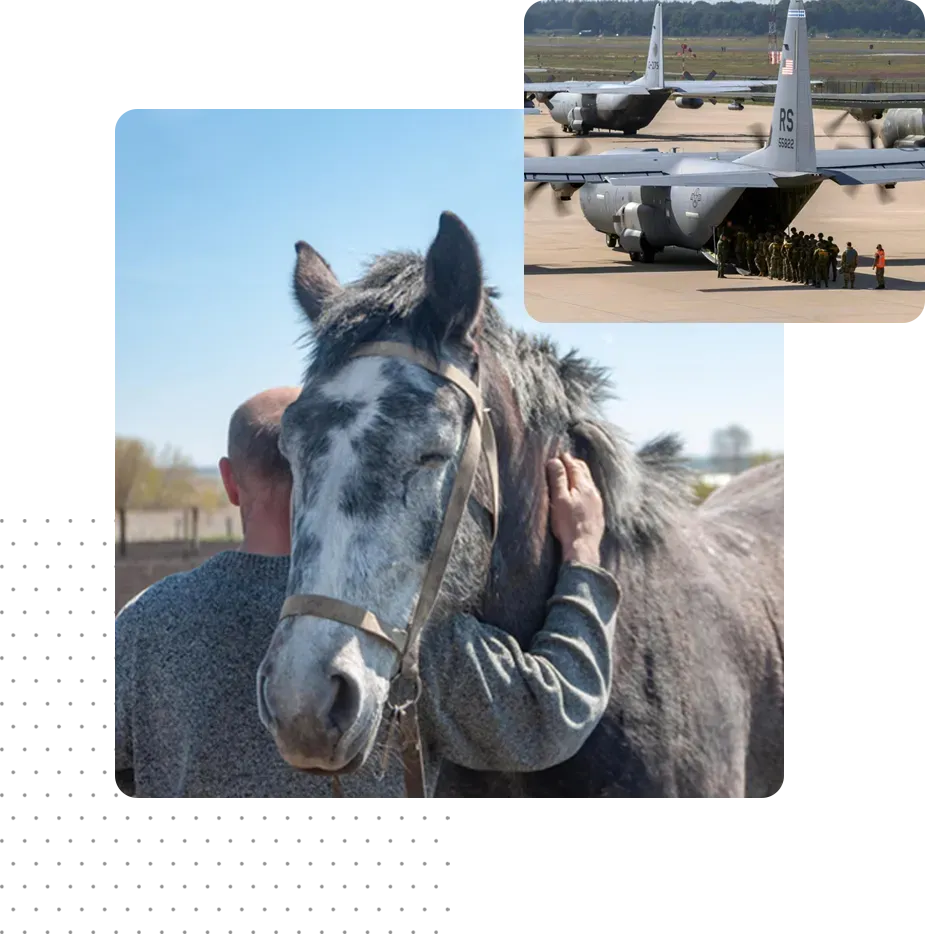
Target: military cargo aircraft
{"points": [[644, 200], [902, 127], [580, 106], [903, 115]]}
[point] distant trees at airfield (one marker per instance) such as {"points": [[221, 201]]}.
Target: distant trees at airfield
{"points": [[845, 18]]}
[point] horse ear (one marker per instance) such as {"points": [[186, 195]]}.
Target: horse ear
{"points": [[453, 276], [313, 280]]}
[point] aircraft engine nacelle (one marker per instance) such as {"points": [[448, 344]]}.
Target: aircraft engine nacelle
{"points": [[689, 103], [564, 190], [903, 127]]}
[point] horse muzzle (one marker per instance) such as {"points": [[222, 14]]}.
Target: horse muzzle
{"points": [[322, 726]]}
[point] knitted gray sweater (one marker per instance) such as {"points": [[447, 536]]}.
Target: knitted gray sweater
{"points": [[187, 650]]}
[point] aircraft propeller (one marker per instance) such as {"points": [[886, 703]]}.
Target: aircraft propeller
{"points": [[871, 135], [832, 126], [759, 135], [533, 189], [884, 193]]}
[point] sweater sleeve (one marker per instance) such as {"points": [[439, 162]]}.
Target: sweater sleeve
{"points": [[491, 706], [125, 649]]}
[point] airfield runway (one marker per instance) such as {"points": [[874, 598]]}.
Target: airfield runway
{"points": [[571, 275]]}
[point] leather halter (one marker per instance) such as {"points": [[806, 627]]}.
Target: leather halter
{"points": [[480, 441]]}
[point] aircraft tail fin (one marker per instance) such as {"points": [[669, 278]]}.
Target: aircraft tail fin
{"points": [[791, 143], [655, 63], [711, 75]]}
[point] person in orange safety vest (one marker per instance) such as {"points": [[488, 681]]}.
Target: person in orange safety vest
{"points": [[880, 266]]}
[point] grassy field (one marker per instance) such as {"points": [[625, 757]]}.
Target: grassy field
{"points": [[571, 57]]}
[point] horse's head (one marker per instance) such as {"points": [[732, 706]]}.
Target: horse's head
{"points": [[373, 443]]}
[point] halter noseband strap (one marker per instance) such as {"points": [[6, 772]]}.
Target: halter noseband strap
{"points": [[480, 440]]}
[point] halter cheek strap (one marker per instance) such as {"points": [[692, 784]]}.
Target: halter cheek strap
{"points": [[480, 442]]}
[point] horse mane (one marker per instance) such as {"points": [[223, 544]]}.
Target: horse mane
{"points": [[559, 395]]}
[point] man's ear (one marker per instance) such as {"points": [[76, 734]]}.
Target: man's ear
{"points": [[228, 480]]}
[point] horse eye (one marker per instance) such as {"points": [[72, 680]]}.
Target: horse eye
{"points": [[432, 460]]}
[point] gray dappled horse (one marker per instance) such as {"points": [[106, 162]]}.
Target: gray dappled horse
{"points": [[697, 702]]}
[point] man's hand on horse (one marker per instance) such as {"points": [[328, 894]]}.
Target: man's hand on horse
{"points": [[576, 510]]}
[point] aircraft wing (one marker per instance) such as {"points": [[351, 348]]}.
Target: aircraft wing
{"points": [[857, 101], [641, 167], [719, 88], [634, 167], [586, 87], [871, 166]]}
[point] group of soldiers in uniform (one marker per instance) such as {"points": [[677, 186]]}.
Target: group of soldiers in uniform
{"points": [[792, 256]]}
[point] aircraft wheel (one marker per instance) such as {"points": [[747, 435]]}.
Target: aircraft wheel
{"points": [[648, 253], [630, 132], [635, 257], [611, 241]]}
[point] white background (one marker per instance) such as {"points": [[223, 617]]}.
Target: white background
{"points": [[65, 69]]}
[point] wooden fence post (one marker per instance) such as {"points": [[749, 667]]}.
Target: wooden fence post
{"points": [[122, 525], [195, 538]]}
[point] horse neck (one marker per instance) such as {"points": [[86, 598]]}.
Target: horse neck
{"points": [[525, 559]]}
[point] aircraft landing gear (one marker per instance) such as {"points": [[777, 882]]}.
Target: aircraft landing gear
{"points": [[611, 241], [646, 256], [630, 132]]}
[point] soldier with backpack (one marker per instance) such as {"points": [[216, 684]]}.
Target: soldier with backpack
{"points": [[849, 263]]}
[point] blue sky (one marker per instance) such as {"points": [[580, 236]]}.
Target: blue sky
{"points": [[210, 203]]}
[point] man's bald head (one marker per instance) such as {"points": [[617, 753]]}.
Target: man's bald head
{"points": [[253, 437]]}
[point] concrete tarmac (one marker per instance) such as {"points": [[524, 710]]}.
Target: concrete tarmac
{"points": [[571, 275]]}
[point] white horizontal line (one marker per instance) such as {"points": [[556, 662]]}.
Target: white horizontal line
{"points": [[679, 909], [787, 863], [685, 819], [37, 516]]}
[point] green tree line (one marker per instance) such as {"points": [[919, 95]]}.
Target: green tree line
{"points": [[146, 479], [844, 18]]}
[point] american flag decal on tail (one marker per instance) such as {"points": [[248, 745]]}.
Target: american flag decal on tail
{"points": [[788, 67], [796, 14]]}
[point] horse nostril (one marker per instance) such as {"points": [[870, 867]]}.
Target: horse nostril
{"points": [[346, 706], [264, 704]]}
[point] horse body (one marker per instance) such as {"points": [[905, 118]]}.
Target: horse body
{"points": [[697, 699]]}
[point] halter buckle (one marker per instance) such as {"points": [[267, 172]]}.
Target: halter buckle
{"points": [[398, 687]]}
